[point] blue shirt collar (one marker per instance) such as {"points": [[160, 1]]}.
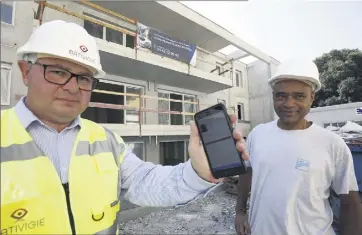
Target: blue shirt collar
{"points": [[27, 117]]}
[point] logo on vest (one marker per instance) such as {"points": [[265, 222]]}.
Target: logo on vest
{"points": [[302, 164], [22, 225], [19, 214]]}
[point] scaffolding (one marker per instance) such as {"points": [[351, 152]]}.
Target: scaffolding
{"points": [[42, 5]]}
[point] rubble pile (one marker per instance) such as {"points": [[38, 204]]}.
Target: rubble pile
{"points": [[212, 214]]}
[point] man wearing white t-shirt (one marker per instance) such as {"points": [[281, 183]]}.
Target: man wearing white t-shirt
{"points": [[294, 164]]}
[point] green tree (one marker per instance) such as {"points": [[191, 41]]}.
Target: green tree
{"points": [[341, 77]]}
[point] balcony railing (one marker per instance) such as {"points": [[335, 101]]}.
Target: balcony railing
{"points": [[205, 60]]}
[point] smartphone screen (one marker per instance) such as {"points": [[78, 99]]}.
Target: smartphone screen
{"points": [[219, 144]]}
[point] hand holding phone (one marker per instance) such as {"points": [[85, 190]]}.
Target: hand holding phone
{"points": [[216, 134]]}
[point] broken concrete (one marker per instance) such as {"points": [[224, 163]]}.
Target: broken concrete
{"points": [[212, 214]]}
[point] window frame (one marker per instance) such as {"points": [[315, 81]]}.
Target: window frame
{"points": [[104, 36], [125, 85], [185, 146], [12, 15], [243, 111], [183, 103], [239, 81], [144, 158], [7, 66]]}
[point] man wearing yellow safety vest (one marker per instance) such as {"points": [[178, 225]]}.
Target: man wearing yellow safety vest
{"points": [[61, 174]]}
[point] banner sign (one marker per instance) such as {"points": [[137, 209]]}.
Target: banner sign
{"points": [[359, 110], [161, 44]]}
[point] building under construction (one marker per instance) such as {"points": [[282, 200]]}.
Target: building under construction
{"points": [[164, 62]]}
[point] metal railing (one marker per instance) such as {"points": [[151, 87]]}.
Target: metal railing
{"points": [[140, 108], [207, 65]]}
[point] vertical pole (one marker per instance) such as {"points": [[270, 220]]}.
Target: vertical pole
{"points": [[41, 11], [140, 113], [271, 105]]}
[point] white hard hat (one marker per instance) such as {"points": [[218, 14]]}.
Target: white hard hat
{"points": [[297, 69], [64, 40]]}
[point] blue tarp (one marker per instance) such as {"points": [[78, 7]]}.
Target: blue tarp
{"points": [[356, 150]]}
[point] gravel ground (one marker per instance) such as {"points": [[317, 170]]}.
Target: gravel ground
{"points": [[212, 214]]}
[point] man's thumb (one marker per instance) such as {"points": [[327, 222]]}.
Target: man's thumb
{"points": [[194, 133]]}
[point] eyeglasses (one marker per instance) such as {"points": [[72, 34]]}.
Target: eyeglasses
{"points": [[60, 76]]}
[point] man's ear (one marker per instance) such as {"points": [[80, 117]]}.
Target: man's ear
{"points": [[313, 96], [24, 69]]}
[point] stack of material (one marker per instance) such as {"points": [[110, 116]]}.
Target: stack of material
{"points": [[212, 214], [351, 132]]}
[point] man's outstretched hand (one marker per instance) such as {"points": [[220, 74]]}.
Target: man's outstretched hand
{"points": [[197, 153]]}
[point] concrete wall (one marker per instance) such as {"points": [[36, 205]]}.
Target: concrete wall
{"points": [[259, 93], [335, 114], [152, 145], [13, 36], [232, 96], [260, 97]]}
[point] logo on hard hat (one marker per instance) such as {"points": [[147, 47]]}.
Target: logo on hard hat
{"points": [[83, 48]]}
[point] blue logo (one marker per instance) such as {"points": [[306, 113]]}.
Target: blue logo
{"points": [[302, 165], [359, 110]]}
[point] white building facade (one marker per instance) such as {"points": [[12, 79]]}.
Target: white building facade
{"points": [[336, 115], [148, 98]]}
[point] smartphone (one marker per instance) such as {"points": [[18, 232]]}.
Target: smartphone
{"points": [[216, 135]]}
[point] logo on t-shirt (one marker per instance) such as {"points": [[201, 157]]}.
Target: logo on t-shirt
{"points": [[302, 164]]}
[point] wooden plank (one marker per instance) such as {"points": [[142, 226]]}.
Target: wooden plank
{"points": [[126, 107], [62, 9], [142, 96], [105, 10]]}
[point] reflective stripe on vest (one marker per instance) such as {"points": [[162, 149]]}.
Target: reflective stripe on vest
{"points": [[32, 196]]}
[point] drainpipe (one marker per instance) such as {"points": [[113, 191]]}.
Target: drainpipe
{"points": [[270, 99], [40, 11], [232, 83], [140, 113]]}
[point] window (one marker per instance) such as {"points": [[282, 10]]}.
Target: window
{"points": [[178, 103], [114, 36], [163, 105], [7, 12], [137, 148], [133, 101], [108, 34], [5, 83], [173, 152], [241, 113], [241, 79], [94, 29], [130, 41], [189, 108], [238, 78], [116, 116]]}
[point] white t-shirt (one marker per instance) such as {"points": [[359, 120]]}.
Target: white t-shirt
{"points": [[293, 172]]}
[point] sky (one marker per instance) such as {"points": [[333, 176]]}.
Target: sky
{"points": [[286, 28]]}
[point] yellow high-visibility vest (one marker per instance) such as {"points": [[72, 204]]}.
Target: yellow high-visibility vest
{"points": [[33, 200]]}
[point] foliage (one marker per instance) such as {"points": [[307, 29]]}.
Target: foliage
{"points": [[341, 77]]}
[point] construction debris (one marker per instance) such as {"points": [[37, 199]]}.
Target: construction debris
{"points": [[212, 214]]}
